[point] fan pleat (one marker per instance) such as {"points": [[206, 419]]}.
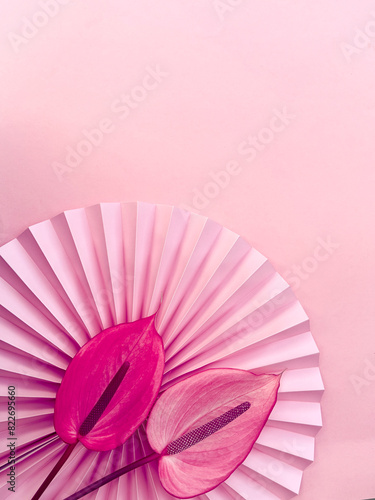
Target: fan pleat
{"points": [[276, 470], [80, 230], [29, 367], [199, 306], [143, 243], [223, 492], [307, 413], [32, 276], [31, 345], [27, 387], [293, 443], [31, 473], [113, 240], [248, 487], [224, 321], [68, 274], [220, 304], [167, 266], [26, 408], [26, 312]]}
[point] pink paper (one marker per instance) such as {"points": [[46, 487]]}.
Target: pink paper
{"points": [[223, 305]]}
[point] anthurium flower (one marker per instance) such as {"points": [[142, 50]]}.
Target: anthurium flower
{"points": [[202, 429], [108, 389], [110, 386], [205, 426]]}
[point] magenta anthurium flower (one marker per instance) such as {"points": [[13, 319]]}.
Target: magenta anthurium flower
{"points": [[203, 428], [110, 386], [108, 389]]}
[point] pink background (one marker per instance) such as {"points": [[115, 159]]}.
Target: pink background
{"points": [[223, 75]]}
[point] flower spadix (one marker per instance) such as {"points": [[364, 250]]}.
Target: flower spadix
{"points": [[205, 426], [110, 386]]}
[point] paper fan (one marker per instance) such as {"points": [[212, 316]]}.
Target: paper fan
{"points": [[223, 306]]}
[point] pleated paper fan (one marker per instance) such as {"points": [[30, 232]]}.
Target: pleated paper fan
{"points": [[222, 305]]}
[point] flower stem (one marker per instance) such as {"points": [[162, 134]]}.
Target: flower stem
{"points": [[54, 471], [106, 479]]}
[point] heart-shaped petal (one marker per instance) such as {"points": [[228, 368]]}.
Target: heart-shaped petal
{"points": [[110, 386], [205, 426]]}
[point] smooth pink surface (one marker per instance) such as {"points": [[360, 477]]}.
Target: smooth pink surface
{"points": [[312, 184]]}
